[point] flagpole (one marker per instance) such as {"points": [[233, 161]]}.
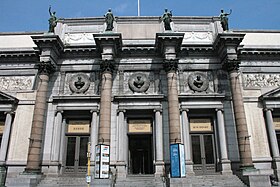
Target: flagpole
{"points": [[138, 7]]}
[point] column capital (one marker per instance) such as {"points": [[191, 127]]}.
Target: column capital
{"points": [[107, 66], [268, 109], [219, 109], [46, 68], [231, 65], [121, 110], [9, 112], [170, 65], [184, 110], [59, 111], [94, 110], [158, 110]]}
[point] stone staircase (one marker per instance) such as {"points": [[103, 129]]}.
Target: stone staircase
{"points": [[62, 182], [208, 181], [140, 181], [148, 181]]}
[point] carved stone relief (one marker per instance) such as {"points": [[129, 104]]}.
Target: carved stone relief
{"points": [[79, 83], [16, 83], [139, 83], [79, 38], [198, 82], [261, 80]]}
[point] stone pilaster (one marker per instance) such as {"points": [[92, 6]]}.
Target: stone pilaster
{"points": [[108, 44], [159, 164], [168, 45], [50, 47]]}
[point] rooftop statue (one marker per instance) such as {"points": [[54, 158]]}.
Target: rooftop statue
{"points": [[224, 19], [166, 18], [52, 20], [109, 19]]}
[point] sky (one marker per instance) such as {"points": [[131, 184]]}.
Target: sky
{"points": [[33, 15]]}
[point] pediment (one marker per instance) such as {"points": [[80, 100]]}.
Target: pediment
{"points": [[275, 93], [6, 98]]}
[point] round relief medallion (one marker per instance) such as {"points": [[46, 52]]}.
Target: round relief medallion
{"points": [[79, 83], [198, 82], [139, 82]]}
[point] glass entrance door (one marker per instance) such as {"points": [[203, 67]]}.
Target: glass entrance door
{"points": [[76, 154], [203, 153], [140, 154]]}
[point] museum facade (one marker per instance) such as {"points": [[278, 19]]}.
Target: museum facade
{"points": [[137, 90]]}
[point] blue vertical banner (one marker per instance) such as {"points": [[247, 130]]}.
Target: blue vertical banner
{"points": [[177, 161]]}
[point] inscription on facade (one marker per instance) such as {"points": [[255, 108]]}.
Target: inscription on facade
{"points": [[16, 83], [261, 80], [200, 125]]}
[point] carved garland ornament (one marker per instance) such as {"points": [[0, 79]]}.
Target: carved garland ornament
{"points": [[139, 82], [198, 82], [79, 83]]}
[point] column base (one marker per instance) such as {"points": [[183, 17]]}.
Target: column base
{"points": [[121, 169], [226, 167], [159, 169], [255, 177], [189, 168], [27, 179]]}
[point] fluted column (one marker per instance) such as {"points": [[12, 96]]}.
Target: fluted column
{"points": [[6, 137], [226, 167], [187, 142]]}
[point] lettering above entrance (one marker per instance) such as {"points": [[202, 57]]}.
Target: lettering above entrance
{"points": [[201, 125], [78, 127], [276, 122], [139, 83], [139, 126]]}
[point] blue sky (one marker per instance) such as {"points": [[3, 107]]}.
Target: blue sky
{"points": [[32, 15]]}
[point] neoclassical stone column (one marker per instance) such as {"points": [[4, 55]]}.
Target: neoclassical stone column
{"points": [[245, 153], [226, 167], [226, 45], [122, 144], [187, 142], [50, 47], [57, 137], [271, 134], [168, 44], [272, 140], [159, 164], [37, 129], [6, 137], [108, 45], [62, 140], [93, 134]]}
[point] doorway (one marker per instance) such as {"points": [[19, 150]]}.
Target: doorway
{"points": [[203, 153], [141, 154], [76, 155]]}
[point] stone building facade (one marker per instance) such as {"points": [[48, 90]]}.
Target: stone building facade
{"points": [[140, 89]]}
